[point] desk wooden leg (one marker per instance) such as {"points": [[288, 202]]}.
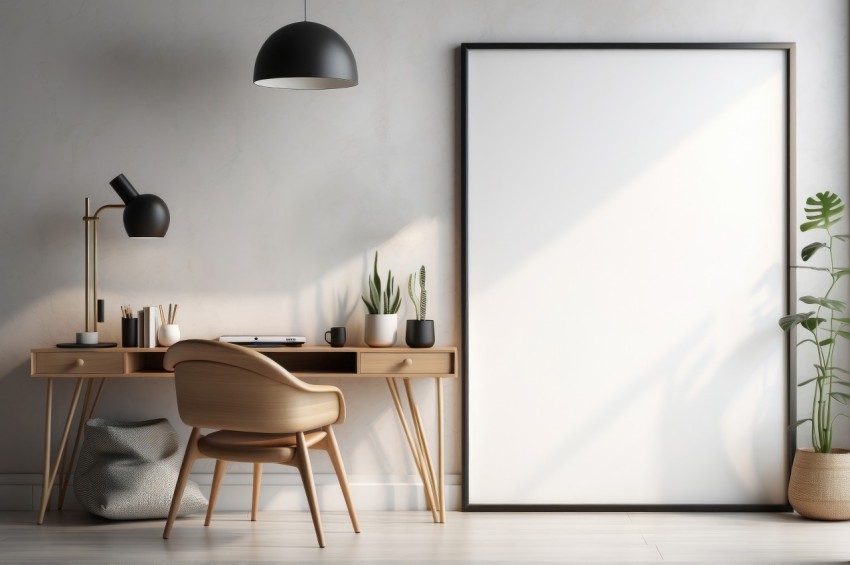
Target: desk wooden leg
{"points": [[441, 475], [50, 475], [97, 398], [69, 462], [424, 451], [415, 451], [86, 414], [45, 490]]}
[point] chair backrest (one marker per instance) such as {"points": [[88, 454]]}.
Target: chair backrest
{"points": [[228, 387]]}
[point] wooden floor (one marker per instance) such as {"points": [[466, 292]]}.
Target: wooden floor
{"points": [[410, 537]]}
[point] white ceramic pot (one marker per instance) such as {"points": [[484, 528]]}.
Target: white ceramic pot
{"points": [[381, 330], [87, 338], [168, 334]]}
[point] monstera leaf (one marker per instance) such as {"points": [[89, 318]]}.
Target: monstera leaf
{"points": [[811, 249], [822, 210], [836, 305], [788, 322]]}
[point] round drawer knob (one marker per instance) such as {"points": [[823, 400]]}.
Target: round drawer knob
{"points": [[80, 362], [408, 362]]}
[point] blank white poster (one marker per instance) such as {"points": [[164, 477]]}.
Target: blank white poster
{"points": [[626, 228]]}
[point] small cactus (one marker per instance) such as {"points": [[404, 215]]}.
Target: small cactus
{"points": [[420, 304]]}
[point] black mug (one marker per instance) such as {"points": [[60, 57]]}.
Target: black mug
{"points": [[335, 336]]}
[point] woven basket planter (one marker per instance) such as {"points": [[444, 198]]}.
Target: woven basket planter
{"points": [[820, 484]]}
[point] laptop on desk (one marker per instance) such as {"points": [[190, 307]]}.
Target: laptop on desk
{"points": [[265, 340]]}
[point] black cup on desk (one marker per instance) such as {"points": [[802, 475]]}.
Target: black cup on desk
{"points": [[129, 332], [336, 337]]}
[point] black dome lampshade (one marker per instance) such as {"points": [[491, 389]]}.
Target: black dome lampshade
{"points": [[305, 56], [145, 215]]}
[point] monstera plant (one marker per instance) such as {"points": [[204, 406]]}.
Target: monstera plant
{"points": [[824, 326], [817, 487]]}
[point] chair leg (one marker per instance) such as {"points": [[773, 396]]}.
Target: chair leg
{"points": [[255, 495], [309, 486], [188, 460], [336, 459], [218, 475]]}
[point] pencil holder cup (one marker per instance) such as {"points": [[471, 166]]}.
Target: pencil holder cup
{"points": [[168, 334], [129, 332]]}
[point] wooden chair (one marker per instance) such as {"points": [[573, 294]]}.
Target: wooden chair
{"points": [[263, 413]]}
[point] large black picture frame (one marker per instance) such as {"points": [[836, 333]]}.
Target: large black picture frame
{"points": [[787, 50]]}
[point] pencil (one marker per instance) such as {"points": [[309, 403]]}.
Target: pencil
{"points": [[174, 315]]}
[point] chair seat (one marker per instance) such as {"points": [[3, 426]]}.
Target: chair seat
{"points": [[254, 447]]}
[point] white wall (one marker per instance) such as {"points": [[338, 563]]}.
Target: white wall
{"points": [[161, 91]]}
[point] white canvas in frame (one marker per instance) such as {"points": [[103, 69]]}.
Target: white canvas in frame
{"points": [[626, 243]]}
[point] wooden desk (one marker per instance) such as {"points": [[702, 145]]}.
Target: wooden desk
{"points": [[94, 366]]}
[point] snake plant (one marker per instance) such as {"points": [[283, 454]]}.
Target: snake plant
{"points": [[419, 304], [382, 301], [825, 325]]}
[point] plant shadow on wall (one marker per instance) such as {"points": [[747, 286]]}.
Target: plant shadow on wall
{"points": [[345, 305], [820, 475]]}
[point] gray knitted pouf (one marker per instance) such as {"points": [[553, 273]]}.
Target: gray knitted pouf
{"points": [[128, 470]]}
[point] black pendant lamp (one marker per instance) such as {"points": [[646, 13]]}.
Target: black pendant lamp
{"points": [[305, 56]]}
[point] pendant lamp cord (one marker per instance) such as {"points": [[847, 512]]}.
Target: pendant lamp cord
{"points": [[305, 10]]}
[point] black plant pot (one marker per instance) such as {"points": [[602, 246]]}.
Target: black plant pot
{"points": [[420, 333]]}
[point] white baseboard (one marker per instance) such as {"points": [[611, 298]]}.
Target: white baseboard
{"points": [[280, 491]]}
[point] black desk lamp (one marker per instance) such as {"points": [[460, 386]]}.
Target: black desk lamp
{"points": [[145, 215]]}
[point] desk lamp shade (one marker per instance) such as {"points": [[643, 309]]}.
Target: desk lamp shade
{"points": [[145, 215], [305, 56]]}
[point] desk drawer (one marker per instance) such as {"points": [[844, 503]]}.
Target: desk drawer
{"points": [[436, 363], [71, 362]]}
